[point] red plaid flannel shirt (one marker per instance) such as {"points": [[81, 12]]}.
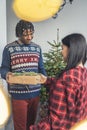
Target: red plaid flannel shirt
{"points": [[68, 101]]}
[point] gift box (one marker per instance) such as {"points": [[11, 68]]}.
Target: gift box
{"points": [[24, 79]]}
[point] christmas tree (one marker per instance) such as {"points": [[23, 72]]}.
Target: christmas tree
{"points": [[53, 58]]}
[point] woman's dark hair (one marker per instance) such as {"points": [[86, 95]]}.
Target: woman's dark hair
{"points": [[23, 25], [77, 50]]}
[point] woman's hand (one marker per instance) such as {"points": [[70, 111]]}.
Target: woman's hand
{"points": [[43, 78]]}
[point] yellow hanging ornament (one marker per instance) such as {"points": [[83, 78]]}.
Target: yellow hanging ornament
{"points": [[36, 10]]}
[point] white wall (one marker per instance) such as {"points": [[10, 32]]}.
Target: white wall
{"points": [[73, 18], [3, 39]]}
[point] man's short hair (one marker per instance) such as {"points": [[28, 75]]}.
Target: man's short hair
{"points": [[23, 25]]}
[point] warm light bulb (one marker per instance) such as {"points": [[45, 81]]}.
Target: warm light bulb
{"points": [[81, 125], [36, 10], [4, 106]]}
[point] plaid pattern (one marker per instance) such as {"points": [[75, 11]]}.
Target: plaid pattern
{"points": [[68, 101]]}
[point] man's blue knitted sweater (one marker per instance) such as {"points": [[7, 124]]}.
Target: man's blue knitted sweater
{"points": [[22, 58]]}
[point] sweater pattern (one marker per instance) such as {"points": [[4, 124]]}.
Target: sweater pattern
{"points": [[24, 58]]}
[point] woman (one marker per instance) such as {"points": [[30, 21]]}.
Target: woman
{"points": [[68, 91]]}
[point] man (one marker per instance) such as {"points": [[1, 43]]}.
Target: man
{"points": [[23, 55]]}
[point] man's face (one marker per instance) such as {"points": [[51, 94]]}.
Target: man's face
{"points": [[27, 36]]}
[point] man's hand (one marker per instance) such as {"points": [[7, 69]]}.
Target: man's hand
{"points": [[7, 76]]}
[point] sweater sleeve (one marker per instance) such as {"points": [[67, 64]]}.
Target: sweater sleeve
{"points": [[5, 65], [41, 64]]}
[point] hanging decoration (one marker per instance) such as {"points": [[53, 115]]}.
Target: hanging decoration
{"points": [[36, 10], [61, 7]]}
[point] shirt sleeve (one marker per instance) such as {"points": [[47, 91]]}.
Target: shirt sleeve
{"points": [[42, 125], [5, 66], [71, 85], [56, 113]]}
